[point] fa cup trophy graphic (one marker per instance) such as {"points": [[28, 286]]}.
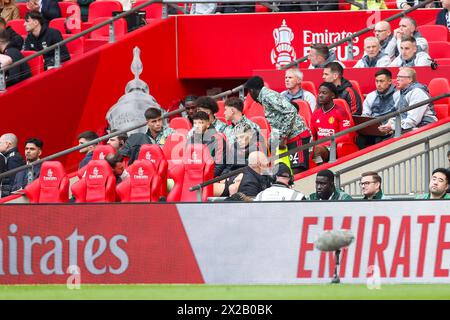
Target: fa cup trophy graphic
{"points": [[283, 53]]}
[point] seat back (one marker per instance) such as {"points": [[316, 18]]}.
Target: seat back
{"points": [[264, 125], [198, 168], [355, 84], [101, 151], [352, 135], [349, 63], [71, 12], [309, 86], [442, 110], [22, 9], [98, 185], [52, 186], [304, 110], [174, 147], [36, 64], [103, 9], [75, 47], [180, 123], [433, 32], [255, 110], [221, 105], [439, 49], [143, 184], [439, 86], [120, 29], [155, 154], [65, 26], [18, 26]]}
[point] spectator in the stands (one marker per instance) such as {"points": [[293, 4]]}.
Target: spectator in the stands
{"points": [[377, 103], [205, 133], [373, 56], [115, 160], [371, 186], [236, 7], [191, 108], [370, 5], [157, 133], [409, 56], [382, 31], [326, 189], [439, 183], [327, 120], [117, 142], [88, 151], [406, 4], [443, 17], [15, 39], [319, 5], [334, 73], [289, 131], [9, 55], [411, 92], [10, 159], [209, 105], [9, 10], [293, 81], [407, 27], [234, 107], [48, 8], [33, 150], [282, 188], [41, 36], [319, 56], [448, 169]]}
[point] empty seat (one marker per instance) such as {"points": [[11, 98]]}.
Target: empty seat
{"points": [[304, 110], [65, 26], [261, 8], [439, 49], [197, 167], [18, 26], [255, 110], [98, 185], [155, 154], [51, 186], [143, 184], [22, 9], [264, 125], [433, 32], [75, 47], [36, 64], [180, 123], [442, 110], [439, 86], [120, 29], [349, 63], [153, 11], [103, 9], [174, 147], [357, 87]]}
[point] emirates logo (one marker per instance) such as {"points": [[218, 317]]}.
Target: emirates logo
{"points": [[101, 156], [283, 53], [95, 174], [140, 175], [49, 176]]}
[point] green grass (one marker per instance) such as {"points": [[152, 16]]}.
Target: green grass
{"points": [[225, 292]]}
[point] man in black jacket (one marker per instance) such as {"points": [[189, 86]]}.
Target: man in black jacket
{"points": [[40, 36], [15, 39], [33, 150], [443, 17], [9, 55], [11, 158]]}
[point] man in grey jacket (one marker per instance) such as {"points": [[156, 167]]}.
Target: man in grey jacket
{"points": [[410, 56]]}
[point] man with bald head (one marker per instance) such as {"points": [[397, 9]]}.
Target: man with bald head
{"points": [[10, 158], [384, 35], [373, 56]]}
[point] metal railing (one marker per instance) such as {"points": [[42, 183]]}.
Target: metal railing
{"points": [[402, 177], [332, 139]]}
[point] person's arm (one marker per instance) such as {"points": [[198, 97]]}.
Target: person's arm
{"points": [[414, 117], [15, 14], [367, 110], [5, 60], [422, 44], [384, 61], [423, 59], [395, 62]]}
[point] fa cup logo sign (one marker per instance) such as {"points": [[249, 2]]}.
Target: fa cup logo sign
{"points": [[283, 53]]}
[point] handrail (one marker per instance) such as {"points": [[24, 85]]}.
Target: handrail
{"points": [[84, 145], [326, 139], [358, 33]]}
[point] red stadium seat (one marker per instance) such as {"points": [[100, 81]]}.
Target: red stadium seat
{"points": [[75, 47], [433, 32], [343, 5], [442, 61], [198, 167], [155, 154], [255, 110], [439, 86], [98, 185], [442, 110], [351, 136], [391, 4], [18, 26], [357, 87], [103, 9], [261, 8], [153, 11], [51, 186], [174, 147], [69, 9], [248, 101], [180, 123], [439, 49], [221, 105], [100, 152], [143, 184], [64, 26], [304, 110], [22, 9], [120, 29], [36, 64], [349, 63], [309, 86], [264, 125]]}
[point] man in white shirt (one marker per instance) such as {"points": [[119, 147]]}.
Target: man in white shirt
{"points": [[374, 57], [410, 56], [293, 80]]}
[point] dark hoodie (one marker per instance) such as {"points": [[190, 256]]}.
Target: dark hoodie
{"points": [[47, 37], [18, 73], [13, 159], [349, 94], [15, 39]]}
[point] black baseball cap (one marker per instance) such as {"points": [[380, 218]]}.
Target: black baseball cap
{"points": [[283, 171]]}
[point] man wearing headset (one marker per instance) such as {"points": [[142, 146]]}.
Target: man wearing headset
{"points": [[281, 189]]}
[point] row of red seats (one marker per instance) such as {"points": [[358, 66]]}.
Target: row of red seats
{"points": [[147, 181]]}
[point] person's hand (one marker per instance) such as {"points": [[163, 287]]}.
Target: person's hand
{"points": [[33, 5], [397, 33], [283, 143], [386, 128]]}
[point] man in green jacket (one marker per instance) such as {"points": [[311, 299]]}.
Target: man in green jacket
{"points": [[325, 188], [371, 186], [438, 185]]}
